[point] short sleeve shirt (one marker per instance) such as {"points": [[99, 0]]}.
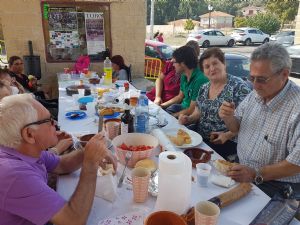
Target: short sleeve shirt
{"points": [[25, 197], [191, 88], [234, 91], [270, 132]]}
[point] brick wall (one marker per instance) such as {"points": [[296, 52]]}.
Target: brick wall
{"points": [[22, 21]]}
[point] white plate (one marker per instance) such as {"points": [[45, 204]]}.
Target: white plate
{"points": [[196, 138]]}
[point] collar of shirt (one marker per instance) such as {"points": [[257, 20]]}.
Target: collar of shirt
{"points": [[193, 76], [277, 99], [15, 153]]}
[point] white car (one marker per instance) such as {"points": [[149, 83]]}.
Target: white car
{"points": [[294, 52], [284, 37], [210, 37], [248, 36]]}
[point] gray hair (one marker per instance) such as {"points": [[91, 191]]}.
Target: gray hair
{"points": [[275, 53], [15, 112]]}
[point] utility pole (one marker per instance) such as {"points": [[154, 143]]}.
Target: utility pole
{"points": [[151, 19]]}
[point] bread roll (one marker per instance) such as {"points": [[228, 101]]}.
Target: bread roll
{"points": [[223, 166], [146, 163], [177, 140]]}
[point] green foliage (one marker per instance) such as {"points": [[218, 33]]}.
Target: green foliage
{"points": [[189, 25], [286, 10], [240, 22], [266, 22]]}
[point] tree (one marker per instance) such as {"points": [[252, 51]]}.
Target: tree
{"points": [[266, 22], [240, 21], [189, 25], [286, 10]]}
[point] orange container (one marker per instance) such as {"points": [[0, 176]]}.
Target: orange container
{"points": [[164, 218]]}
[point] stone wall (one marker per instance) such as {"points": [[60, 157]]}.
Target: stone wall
{"points": [[22, 21]]}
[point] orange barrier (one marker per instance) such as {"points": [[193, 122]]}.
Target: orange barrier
{"points": [[153, 68]]}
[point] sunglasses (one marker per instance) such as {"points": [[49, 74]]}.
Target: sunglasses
{"points": [[260, 80], [39, 122]]}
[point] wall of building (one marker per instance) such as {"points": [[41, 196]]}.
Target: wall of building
{"points": [[297, 34], [22, 21]]}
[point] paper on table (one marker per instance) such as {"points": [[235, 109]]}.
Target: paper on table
{"points": [[106, 187], [222, 181], [164, 141], [134, 218]]}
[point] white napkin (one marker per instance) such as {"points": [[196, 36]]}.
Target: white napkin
{"points": [[164, 141], [106, 187], [134, 218], [222, 181]]}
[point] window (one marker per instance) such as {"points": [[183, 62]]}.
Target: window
{"points": [[219, 33], [72, 29]]}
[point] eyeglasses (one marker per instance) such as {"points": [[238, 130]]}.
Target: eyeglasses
{"points": [[51, 120], [260, 80]]}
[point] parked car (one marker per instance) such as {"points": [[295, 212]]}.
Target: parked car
{"points": [[237, 65], [284, 37], [248, 36], [294, 52], [158, 50], [211, 37]]}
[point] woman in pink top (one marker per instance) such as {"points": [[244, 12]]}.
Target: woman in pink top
{"points": [[160, 37]]}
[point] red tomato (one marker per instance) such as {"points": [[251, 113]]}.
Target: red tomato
{"points": [[123, 146]]}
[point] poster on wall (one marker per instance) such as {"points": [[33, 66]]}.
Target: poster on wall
{"points": [[94, 28], [64, 39], [62, 19]]}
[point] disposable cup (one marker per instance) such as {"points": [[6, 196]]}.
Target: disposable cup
{"points": [[140, 183], [206, 213]]}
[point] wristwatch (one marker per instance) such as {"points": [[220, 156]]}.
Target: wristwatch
{"points": [[258, 179]]}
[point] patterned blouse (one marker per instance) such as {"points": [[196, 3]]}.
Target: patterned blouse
{"points": [[234, 91]]}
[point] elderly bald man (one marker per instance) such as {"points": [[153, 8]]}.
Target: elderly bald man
{"points": [[27, 130]]}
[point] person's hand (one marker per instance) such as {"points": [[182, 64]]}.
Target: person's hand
{"points": [[183, 119], [63, 145], [62, 135], [96, 152], [218, 138], [157, 100], [226, 110], [241, 173]]}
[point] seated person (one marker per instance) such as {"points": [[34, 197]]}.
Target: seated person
{"points": [[16, 67], [15, 86], [186, 63], [221, 87], [268, 123], [167, 85], [120, 70], [25, 196], [5, 89]]}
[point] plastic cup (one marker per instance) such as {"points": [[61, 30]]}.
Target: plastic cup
{"points": [[81, 92], [203, 171], [140, 183], [112, 129], [206, 213]]}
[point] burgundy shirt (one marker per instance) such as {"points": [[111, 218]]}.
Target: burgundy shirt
{"points": [[171, 84], [25, 197]]}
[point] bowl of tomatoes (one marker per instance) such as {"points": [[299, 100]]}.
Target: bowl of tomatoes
{"points": [[141, 145]]}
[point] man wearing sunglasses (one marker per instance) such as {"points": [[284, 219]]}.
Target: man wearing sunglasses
{"points": [[25, 197], [268, 123]]}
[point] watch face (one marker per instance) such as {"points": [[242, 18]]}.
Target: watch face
{"points": [[259, 180]]}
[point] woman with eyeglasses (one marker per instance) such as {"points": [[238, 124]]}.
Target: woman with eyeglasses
{"points": [[221, 87]]}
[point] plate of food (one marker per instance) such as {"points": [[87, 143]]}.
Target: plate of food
{"points": [[183, 137]]}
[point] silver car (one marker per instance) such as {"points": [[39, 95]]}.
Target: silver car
{"points": [[211, 37], [284, 37], [294, 52]]}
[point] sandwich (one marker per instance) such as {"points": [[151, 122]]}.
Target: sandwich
{"points": [[223, 166]]}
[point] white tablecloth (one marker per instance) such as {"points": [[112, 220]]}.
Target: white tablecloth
{"points": [[241, 212]]}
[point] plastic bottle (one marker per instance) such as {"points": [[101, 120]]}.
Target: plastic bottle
{"points": [[142, 114], [107, 72], [127, 120]]}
